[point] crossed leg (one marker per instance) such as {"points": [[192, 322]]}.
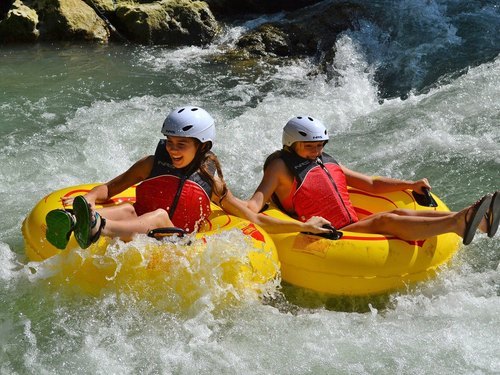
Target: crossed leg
{"points": [[414, 225], [124, 211], [122, 221]]}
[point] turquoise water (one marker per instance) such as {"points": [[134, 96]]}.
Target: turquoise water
{"points": [[78, 114]]}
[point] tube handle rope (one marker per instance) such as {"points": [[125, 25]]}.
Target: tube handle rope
{"points": [[167, 231], [333, 235]]}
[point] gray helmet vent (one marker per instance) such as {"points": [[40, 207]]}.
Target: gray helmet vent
{"points": [[309, 118], [304, 129], [189, 121]]}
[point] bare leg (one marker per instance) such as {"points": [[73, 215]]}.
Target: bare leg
{"points": [[425, 213], [413, 227], [125, 229], [124, 211]]}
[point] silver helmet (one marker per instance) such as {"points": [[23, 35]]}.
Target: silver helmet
{"points": [[190, 121], [304, 129]]}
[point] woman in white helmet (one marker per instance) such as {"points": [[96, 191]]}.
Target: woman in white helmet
{"points": [[176, 185], [305, 181]]}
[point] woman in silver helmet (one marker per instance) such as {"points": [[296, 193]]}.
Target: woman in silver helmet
{"points": [[305, 182], [175, 187]]}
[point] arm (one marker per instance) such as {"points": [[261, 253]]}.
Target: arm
{"points": [[375, 184], [135, 174], [275, 176], [235, 206]]}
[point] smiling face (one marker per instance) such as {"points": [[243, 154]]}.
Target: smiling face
{"points": [[182, 150], [308, 150]]}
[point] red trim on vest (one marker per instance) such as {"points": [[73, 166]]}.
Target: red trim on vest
{"points": [[159, 192], [316, 196]]}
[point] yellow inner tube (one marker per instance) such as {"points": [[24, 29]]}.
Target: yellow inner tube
{"points": [[227, 250], [357, 264], [363, 264]]}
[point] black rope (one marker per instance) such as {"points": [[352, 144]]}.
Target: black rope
{"points": [[106, 21]]}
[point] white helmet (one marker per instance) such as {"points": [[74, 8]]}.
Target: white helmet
{"points": [[189, 121], [304, 129]]}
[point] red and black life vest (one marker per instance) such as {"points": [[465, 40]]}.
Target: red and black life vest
{"points": [[183, 194], [320, 189]]}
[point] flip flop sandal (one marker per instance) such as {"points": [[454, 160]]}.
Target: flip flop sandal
{"points": [[493, 215], [102, 224], [60, 224], [471, 225], [83, 221]]}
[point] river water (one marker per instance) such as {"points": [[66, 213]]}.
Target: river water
{"points": [[403, 103]]}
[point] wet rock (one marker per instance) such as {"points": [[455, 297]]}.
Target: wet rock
{"points": [[309, 31], [19, 24], [239, 7], [106, 10], [72, 20], [301, 33], [107, 7], [267, 39], [5, 7], [169, 22]]}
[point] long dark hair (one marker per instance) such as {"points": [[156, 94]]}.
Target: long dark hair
{"points": [[205, 161], [275, 155]]}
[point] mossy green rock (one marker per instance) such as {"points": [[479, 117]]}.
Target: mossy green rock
{"points": [[72, 20], [172, 23], [20, 24]]}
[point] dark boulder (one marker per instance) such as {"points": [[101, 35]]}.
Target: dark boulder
{"points": [[19, 24]]}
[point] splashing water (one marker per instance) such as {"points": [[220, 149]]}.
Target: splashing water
{"points": [[75, 115]]}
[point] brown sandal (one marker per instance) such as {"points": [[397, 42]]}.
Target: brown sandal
{"points": [[493, 215], [471, 225]]}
